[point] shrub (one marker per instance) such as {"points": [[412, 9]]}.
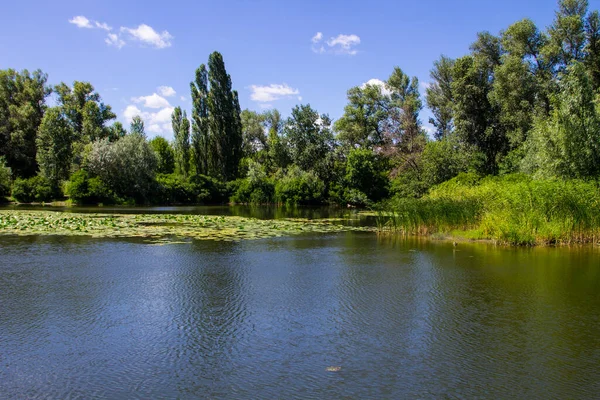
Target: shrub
{"points": [[85, 190], [299, 187], [33, 189], [5, 179]]}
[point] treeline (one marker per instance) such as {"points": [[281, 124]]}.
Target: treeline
{"points": [[522, 101]]}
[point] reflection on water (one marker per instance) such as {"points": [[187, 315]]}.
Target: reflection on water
{"points": [[266, 319]]}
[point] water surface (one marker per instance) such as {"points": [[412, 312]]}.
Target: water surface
{"points": [[85, 318]]}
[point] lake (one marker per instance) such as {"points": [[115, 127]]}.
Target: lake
{"points": [[345, 315]]}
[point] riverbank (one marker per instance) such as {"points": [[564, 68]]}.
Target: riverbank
{"points": [[512, 210]]}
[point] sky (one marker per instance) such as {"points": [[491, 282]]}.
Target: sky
{"points": [[141, 56]]}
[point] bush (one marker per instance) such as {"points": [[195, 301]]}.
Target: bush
{"points": [[85, 190], [33, 189], [299, 187], [366, 174], [5, 179], [176, 189], [256, 188]]}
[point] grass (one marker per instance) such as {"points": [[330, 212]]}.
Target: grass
{"points": [[513, 209], [159, 227]]}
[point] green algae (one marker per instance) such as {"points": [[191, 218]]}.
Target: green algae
{"points": [[161, 228]]}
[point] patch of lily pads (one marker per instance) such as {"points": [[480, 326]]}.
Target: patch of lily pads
{"points": [[161, 228]]}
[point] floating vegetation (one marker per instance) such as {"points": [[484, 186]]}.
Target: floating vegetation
{"points": [[161, 228]]}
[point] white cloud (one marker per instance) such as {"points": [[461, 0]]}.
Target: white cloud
{"points": [[166, 91], [143, 33], [114, 40], [266, 94], [152, 101], [266, 106], [103, 25], [146, 34], [158, 122], [344, 44], [340, 44], [377, 82], [182, 98], [81, 22]]}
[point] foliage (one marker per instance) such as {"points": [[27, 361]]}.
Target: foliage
{"points": [[83, 189], [181, 130], [5, 179], [439, 97], [567, 144], [36, 188], [256, 188], [298, 187], [127, 166], [22, 107], [54, 146], [366, 172], [165, 155], [308, 136]]}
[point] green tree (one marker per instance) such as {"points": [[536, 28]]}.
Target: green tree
{"points": [[85, 111], [362, 122], [116, 131], [164, 154], [127, 166], [366, 171], [592, 47], [308, 136], [568, 143], [201, 140], [278, 154], [404, 137], [475, 117], [439, 96], [181, 131], [567, 33], [137, 126], [54, 146], [22, 107], [224, 122], [254, 137]]}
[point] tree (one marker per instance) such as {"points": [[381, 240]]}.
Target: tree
{"points": [[127, 166], [475, 117], [224, 123], [181, 131], [54, 146], [404, 138], [116, 131], [366, 172], [567, 144], [85, 111], [164, 154], [254, 137], [308, 136], [439, 97], [22, 107], [201, 142], [137, 126], [567, 33], [278, 154], [362, 122], [592, 47]]}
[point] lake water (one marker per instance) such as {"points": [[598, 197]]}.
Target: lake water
{"points": [[348, 315]]}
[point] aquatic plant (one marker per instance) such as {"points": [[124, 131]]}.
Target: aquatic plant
{"points": [[161, 227]]}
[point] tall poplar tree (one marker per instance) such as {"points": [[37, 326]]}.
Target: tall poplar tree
{"points": [[200, 132], [181, 131], [224, 121]]}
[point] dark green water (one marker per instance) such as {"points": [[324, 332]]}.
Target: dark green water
{"points": [[83, 318]]}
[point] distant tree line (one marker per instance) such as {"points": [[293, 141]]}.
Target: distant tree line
{"points": [[522, 101]]}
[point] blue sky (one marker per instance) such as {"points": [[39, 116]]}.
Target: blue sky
{"points": [[267, 46]]}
